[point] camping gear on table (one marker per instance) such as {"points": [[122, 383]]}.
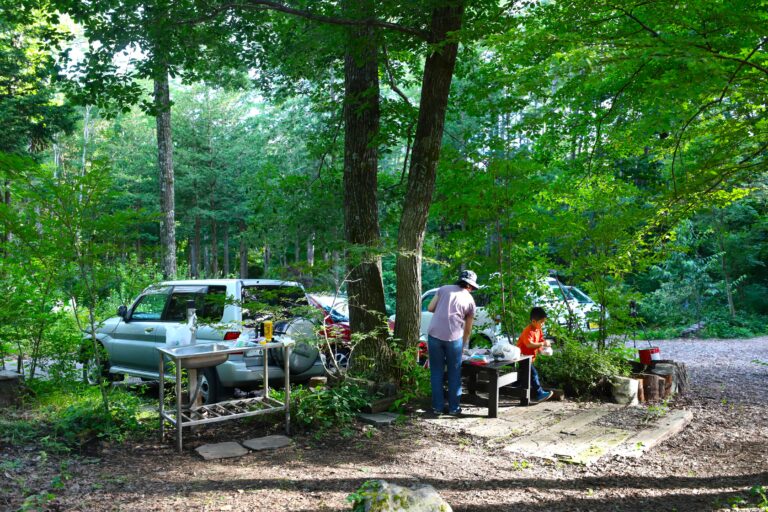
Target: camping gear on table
{"points": [[503, 350]]}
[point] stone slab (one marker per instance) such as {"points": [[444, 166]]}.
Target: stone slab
{"points": [[546, 441], [221, 450], [590, 444], [644, 440], [267, 443], [381, 419]]}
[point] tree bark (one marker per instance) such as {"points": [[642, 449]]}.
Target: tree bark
{"points": [[194, 266], [438, 73], [361, 221], [214, 249], [267, 257], [243, 254], [225, 243], [367, 310], [311, 250], [165, 163]]}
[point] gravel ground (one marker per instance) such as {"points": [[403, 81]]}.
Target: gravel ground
{"points": [[709, 466]]}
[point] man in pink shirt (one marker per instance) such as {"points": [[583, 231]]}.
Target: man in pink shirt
{"points": [[449, 332]]}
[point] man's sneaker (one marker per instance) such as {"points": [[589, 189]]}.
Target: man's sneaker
{"points": [[544, 396], [457, 412]]}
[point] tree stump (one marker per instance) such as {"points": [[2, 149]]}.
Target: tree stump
{"points": [[10, 385], [640, 393], [653, 387]]}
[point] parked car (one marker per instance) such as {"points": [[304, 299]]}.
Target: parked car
{"points": [[226, 308], [335, 311], [335, 325], [563, 298]]}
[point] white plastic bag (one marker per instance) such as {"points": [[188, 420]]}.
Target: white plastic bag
{"points": [[503, 350], [545, 351], [178, 335]]}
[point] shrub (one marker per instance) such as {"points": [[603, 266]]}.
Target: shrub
{"points": [[329, 407], [65, 418], [578, 368]]}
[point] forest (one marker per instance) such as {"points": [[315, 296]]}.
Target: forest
{"points": [[376, 148], [373, 150]]}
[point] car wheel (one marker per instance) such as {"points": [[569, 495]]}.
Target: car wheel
{"points": [[342, 357], [210, 387], [95, 370]]}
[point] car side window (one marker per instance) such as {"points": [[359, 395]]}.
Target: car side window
{"points": [[150, 307], [426, 300], [209, 303]]}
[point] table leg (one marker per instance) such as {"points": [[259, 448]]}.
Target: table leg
{"points": [[493, 394], [161, 371], [524, 376], [178, 405], [287, 370], [472, 382]]}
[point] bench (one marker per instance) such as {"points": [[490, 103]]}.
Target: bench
{"points": [[515, 383]]}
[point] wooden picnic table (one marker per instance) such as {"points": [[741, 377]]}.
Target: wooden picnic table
{"points": [[514, 376]]}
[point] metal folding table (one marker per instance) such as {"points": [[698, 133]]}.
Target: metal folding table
{"points": [[194, 357]]}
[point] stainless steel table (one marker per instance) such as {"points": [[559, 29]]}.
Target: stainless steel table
{"points": [[193, 357]]}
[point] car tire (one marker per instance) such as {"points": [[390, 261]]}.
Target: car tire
{"points": [[92, 370], [210, 386]]}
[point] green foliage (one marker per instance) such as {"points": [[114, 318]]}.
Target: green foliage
{"points": [[327, 407], [67, 418], [579, 368], [414, 379]]}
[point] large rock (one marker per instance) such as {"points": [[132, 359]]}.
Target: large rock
{"points": [[382, 496], [624, 390]]}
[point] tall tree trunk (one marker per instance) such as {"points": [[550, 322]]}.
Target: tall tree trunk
{"points": [[243, 254], [214, 249], [296, 247], [724, 264], [311, 250], [194, 266], [438, 72], [165, 163], [225, 243], [206, 261], [267, 257], [361, 220]]}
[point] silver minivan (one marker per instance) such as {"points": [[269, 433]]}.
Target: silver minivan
{"points": [[225, 309]]}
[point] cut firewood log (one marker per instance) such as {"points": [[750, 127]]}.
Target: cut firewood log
{"points": [[653, 387]]}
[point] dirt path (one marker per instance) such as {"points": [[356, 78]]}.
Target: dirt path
{"points": [[718, 457]]}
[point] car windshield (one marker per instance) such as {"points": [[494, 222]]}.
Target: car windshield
{"points": [[558, 291], [580, 296], [272, 300]]}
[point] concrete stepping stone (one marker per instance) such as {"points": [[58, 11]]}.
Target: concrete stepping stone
{"points": [[381, 419], [258, 444], [221, 450]]}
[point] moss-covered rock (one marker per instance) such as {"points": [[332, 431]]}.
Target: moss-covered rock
{"points": [[382, 496]]}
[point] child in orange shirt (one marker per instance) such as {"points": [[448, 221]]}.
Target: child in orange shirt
{"points": [[530, 342]]}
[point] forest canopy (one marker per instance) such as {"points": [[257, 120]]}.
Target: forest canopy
{"points": [[377, 148]]}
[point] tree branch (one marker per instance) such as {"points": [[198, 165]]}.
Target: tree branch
{"points": [[268, 5], [706, 106]]}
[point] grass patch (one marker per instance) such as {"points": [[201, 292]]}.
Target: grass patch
{"points": [[60, 419]]}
